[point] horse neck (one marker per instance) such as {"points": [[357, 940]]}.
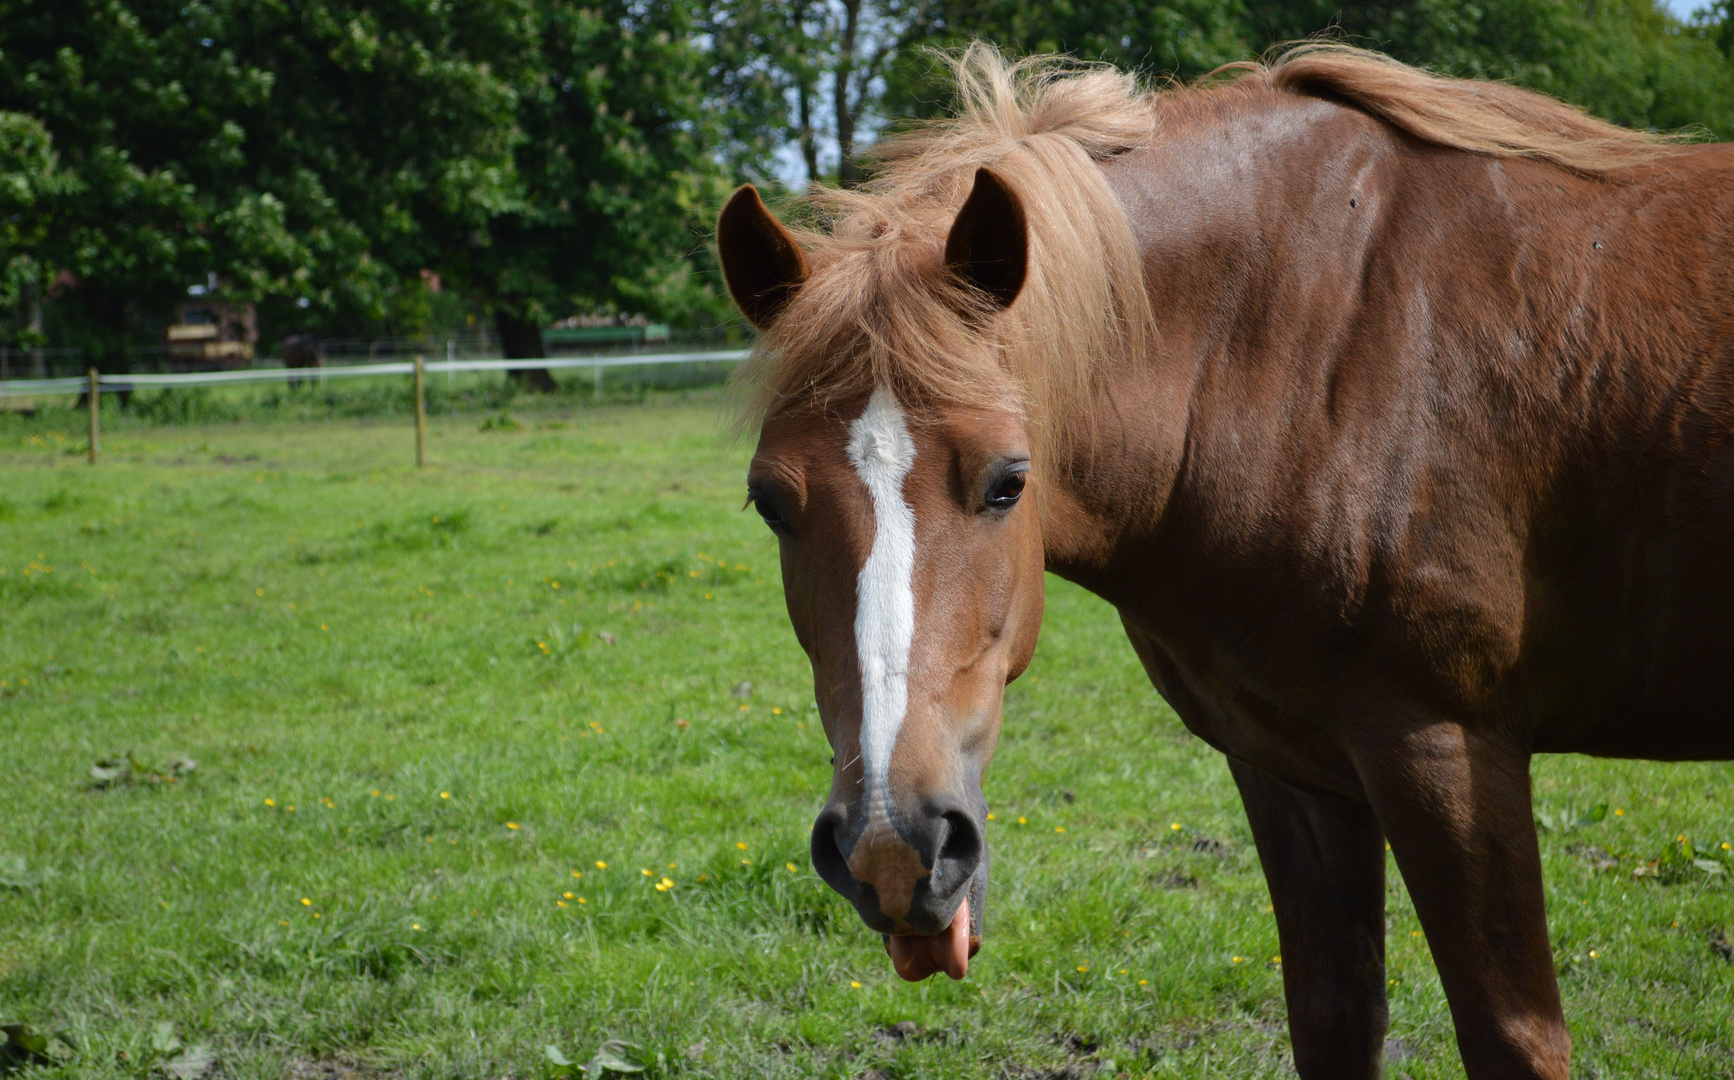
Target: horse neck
{"points": [[1297, 250]]}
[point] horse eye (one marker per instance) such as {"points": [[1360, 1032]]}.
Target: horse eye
{"points": [[1003, 495], [769, 514]]}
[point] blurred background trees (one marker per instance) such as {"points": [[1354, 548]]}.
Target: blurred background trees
{"points": [[392, 167]]}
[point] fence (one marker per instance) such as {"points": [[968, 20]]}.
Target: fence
{"points": [[95, 384]]}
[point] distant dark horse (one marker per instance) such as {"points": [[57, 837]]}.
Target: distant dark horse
{"points": [[1395, 414], [302, 351]]}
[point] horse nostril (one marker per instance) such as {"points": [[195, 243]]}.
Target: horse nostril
{"points": [[959, 852], [828, 856]]}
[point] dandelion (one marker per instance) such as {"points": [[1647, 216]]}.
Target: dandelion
{"points": [[1143, 982], [258, 592], [1083, 968], [1123, 971], [664, 885], [1023, 821], [305, 902], [1414, 933], [567, 895], [283, 922], [600, 865], [1059, 828], [741, 844], [1618, 812], [270, 802], [1595, 955], [415, 926], [674, 866], [560, 903], [577, 873], [1238, 959], [1175, 826], [992, 817], [323, 626], [374, 793], [776, 710], [647, 873], [1276, 959], [513, 825], [328, 804], [290, 808], [746, 862], [445, 794], [704, 877], [790, 866], [391, 798], [708, 596], [854, 985], [581, 900]]}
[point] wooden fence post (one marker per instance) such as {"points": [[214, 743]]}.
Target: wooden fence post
{"points": [[420, 415], [95, 414]]}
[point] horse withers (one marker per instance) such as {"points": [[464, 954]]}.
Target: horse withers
{"points": [[1394, 414]]}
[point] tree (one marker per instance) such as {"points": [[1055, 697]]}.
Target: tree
{"points": [[34, 190], [622, 152]]}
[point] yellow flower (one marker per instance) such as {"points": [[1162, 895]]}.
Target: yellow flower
{"points": [[600, 865], [415, 926], [560, 903], [581, 900], [1276, 959], [323, 626], [567, 895], [1618, 812], [1594, 955], [1175, 826], [704, 877], [1023, 821], [1059, 828], [741, 844], [776, 711], [854, 985], [992, 817], [329, 805], [306, 902], [1122, 971], [746, 862], [791, 866], [270, 802], [513, 825], [445, 794], [647, 873], [577, 873], [374, 793], [1238, 959], [667, 883], [1083, 967], [1143, 982]]}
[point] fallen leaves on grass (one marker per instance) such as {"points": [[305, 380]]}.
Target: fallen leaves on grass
{"points": [[128, 769], [15, 873], [22, 1046], [613, 1056]]}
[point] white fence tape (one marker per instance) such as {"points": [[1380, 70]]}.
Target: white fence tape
{"points": [[109, 384]]}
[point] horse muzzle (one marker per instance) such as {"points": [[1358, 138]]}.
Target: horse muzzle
{"points": [[918, 879]]}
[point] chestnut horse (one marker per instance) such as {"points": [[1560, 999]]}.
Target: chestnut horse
{"points": [[1394, 414]]}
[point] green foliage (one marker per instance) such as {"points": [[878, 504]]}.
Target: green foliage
{"points": [[1625, 60]]}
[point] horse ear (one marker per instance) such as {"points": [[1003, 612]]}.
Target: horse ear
{"points": [[989, 243], [763, 264]]}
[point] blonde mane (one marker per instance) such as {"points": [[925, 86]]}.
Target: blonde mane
{"points": [[879, 306]]}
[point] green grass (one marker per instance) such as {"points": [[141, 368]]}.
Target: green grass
{"points": [[340, 642]]}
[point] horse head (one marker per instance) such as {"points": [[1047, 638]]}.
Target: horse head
{"points": [[911, 551]]}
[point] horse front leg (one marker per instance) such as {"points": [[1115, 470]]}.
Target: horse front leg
{"points": [[1324, 860], [1455, 804]]}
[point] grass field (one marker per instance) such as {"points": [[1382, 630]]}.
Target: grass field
{"points": [[477, 774]]}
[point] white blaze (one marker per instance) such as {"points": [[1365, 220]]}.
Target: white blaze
{"points": [[882, 451]]}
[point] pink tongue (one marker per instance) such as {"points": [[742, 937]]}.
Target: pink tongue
{"points": [[917, 956]]}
